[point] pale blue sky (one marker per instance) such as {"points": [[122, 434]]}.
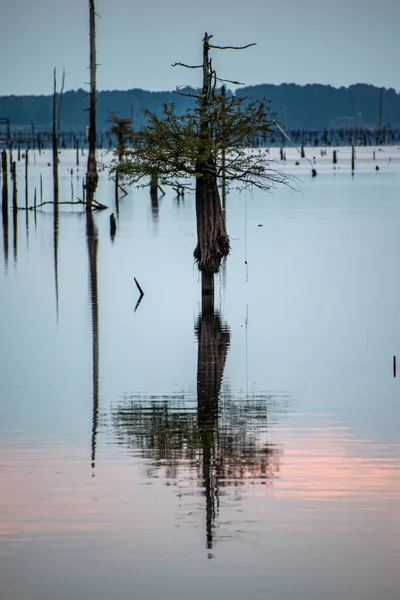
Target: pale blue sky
{"points": [[339, 42]]}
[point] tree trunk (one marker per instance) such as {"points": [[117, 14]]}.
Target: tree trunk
{"points": [[91, 174], [212, 240], [55, 143], [154, 186]]}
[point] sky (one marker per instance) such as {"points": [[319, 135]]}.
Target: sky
{"points": [[336, 42]]}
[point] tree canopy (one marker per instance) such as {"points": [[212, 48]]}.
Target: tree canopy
{"points": [[211, 143], [220, 127]]}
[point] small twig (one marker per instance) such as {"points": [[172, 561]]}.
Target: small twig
{"points": [[138, 287]]}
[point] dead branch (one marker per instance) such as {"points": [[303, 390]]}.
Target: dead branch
{"points": [[232, 47], [141, 292], [177, 91], [230, 81], [78, 202], [98, 205], [179, 64]]}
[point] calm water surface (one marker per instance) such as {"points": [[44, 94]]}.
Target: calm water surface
{"points": [[158, 451]]}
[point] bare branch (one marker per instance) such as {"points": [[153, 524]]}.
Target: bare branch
{"points": [[177, 91], [79, 202], [179, 64], [230, 81], [232, 47]]}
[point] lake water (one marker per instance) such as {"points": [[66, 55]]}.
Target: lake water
{"points": [[153, 451]]}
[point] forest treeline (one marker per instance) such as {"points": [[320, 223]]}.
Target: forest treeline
{"points": [[312, 106]]}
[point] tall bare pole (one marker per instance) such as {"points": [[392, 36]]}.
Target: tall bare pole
{"points": [[55, 142], [380, 117], [91, 174], [223, 158]]}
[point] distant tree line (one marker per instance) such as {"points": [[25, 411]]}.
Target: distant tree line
{"points": [[311, 114]]}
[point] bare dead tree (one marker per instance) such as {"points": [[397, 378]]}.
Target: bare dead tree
{"points": [[55, 141], [60, 102], [91, 174]]}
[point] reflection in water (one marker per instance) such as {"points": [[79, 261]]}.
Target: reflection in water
{"points": [[213, 344], [4, 205], [138, 303], [5, 232], [221, 440], [154, 204], [27, 228], [55, 244], [15, 233], [92, 242]]}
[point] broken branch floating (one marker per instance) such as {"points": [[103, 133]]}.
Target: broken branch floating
{"points": [[79, 202]]}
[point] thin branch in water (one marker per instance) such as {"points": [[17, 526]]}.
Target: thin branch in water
{"points": [[98, 205], [78, 202], [138, 287], [138, 302]]}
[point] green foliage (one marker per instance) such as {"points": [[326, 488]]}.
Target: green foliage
{"points": [[123, 130], [121, 127], [173, 145]]}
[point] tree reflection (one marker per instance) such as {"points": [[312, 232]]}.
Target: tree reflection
{"points": [[213, 343], [5, 235], [92, 243], [15, 233], [4, 205], [221, 440], [55, 255], [154, 204]]}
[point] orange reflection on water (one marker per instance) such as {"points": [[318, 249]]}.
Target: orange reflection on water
{"points": [[51, 490], [329, 463]]}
